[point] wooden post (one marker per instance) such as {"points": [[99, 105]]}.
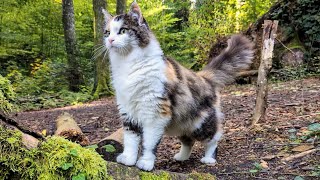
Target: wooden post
{"points": [[269, 33]]}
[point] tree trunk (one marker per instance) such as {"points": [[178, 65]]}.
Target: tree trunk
{"points": [[102, 85], [269, 31], [74, 74], [121, 6]]}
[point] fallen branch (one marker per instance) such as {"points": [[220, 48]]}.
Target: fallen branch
{"points": [[13, 123], [248, 73], [68, 128], [300, 155]]}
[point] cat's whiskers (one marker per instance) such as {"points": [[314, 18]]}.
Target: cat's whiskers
{"points": [[99, 52], [100, 47]]}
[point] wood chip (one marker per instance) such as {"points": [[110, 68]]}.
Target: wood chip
{"points": [[268, 157]]}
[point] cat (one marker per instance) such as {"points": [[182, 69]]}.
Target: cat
{"points": [[156, 95]]}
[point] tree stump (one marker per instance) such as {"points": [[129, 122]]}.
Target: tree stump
{"points": [[111, 146], [269, 33]]}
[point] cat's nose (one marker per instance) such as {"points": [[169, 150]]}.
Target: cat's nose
{"points": [[111, 40]]}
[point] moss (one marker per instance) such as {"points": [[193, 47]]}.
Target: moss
{"points": [[153, 176], [56, 158], [201, 176]]}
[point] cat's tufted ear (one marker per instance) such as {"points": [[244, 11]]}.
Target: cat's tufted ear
{"points": [[107, 16], [135, 12]]}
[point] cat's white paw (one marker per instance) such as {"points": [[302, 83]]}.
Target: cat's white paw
{"points": [[181, 157], [208, 160], [145, 164], [126, 159]]}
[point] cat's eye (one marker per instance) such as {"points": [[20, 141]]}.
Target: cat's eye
{"points": [[106, 33], [123, 31]]}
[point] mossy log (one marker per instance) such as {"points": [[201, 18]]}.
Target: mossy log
{"points": [[29, 138], [119, 172], [68, 128]]}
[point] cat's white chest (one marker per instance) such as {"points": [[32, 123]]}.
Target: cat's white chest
{"points": [[139, 84]]}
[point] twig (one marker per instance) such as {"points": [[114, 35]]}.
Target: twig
{"points": [[299, 155], [285, 47], [293, 174]]}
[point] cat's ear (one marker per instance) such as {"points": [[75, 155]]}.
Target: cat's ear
{"points": [[135, 12], [107, 16]]}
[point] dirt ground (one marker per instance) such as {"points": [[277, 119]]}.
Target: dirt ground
{"points": [[244, 152]]}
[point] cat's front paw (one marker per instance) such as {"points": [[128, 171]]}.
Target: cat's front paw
{"points": [[145, 164], [181, 157], [208, 160], [127, 159]]}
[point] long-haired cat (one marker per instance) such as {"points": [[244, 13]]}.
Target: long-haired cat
{"points": [[156, 95]]}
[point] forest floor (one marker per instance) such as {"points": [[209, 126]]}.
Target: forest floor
{"points": [[244, 152]]}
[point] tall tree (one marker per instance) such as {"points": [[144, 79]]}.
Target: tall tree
{"points": [[121, 6], [102, 73], [74, 74]]}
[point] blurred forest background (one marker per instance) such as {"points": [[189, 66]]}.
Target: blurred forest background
{"points": [[34, 68]]}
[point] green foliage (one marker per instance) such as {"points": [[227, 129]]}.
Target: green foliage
{"points": [[208, 20], [7, 95], [56, 158], [32, 48], [109, 148]]}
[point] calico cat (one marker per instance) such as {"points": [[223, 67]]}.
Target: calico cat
{"points": [[156, 95]]}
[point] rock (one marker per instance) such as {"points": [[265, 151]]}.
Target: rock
{"points": [[292, 58]]}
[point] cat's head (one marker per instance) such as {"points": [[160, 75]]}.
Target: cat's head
{"points": [[126, 31]]}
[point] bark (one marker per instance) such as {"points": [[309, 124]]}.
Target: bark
{"points": [[121, 6], [68, 128], [102, 85], [74, 73], [269, 32]]}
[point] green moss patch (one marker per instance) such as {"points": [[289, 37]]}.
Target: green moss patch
{"points": [[152, 176], [54, 159]]}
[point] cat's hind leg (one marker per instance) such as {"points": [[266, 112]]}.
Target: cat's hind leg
{"points": [[186, 148], [211, 149]]}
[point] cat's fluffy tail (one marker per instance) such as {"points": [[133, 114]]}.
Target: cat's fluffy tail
{"points": [[235, 58]]}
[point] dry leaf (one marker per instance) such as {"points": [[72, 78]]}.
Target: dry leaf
{"points": [[264, 164], [44, 132], [302, 148]]}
